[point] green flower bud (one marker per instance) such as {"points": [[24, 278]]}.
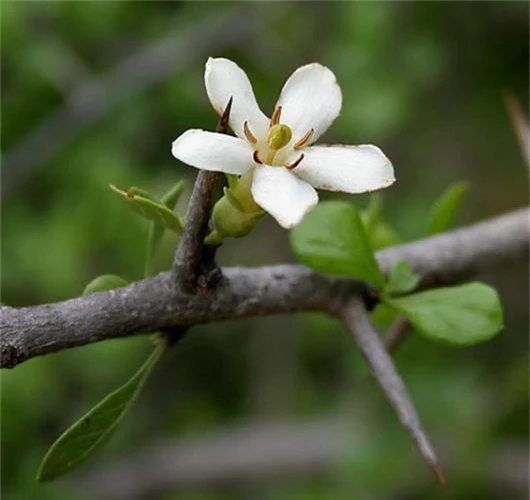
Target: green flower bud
{"points": [[236, 213]]}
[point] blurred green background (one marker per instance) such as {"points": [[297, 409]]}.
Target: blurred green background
{"points": [[95, 92]]}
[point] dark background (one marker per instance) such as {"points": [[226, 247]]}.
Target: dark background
{"points": [[95, 92]]}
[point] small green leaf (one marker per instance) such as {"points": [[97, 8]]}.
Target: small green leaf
{"points": [[103, 283], [78, 442], [136, 191], [151, 209], [372, 213], [402, 278], [332, 239], [156, 230], [154, 235], [460, 315], [380, 234], [171, 198], [445, 208]]}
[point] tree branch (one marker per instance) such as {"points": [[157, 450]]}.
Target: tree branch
{"points": [[190, 254], [152, 304]]}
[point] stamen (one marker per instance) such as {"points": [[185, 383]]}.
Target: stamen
{"points": [[276, 115], [305, 140], [290, 166], [248, 133], [256, 157]]}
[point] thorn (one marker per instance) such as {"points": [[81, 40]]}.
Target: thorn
{"points": [[396, 333], [359, 325], [222, 126], [438, 473], [520, 124]]}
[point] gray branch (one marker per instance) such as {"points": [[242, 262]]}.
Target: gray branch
{"points": [[191, 254], [154, 303]]}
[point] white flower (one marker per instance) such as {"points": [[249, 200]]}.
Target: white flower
{"points": [[286, 168]]}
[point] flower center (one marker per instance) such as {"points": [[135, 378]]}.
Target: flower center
{"points": [[279, 135]]}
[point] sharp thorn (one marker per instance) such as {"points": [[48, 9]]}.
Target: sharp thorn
{"points": [[222, 126]]}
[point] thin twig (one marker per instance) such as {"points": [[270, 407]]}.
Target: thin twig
{"points": [[358, 323], [190, 255], [153, 303], [396, 334], [520, 124]]}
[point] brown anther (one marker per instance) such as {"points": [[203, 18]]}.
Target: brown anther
{"points": [[305, 140], [248, 133], [256, 157], [290, 166], [276, 115]]}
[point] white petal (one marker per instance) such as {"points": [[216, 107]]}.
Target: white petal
{"points": [[310, 99], [282, 194], [212, 151], [351, 169], [225, 79]]}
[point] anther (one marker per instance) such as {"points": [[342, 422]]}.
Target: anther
{"points": [[290, 166], [248, 133], [256, 157], [276, 115], [305, 140]]}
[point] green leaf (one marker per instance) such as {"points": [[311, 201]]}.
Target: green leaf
{"points": [[332, 239], [171, 198], [103, 283], [460, 315], [154, 235], [79, 442], [136, 191], [151, 209], [445, 208], [380, 234], [402, 278], [156, 230]]}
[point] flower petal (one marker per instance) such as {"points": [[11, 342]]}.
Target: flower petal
{"points": [[310, 99], [225, 79], [212, 151], [351, 169], [282, 194]]}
